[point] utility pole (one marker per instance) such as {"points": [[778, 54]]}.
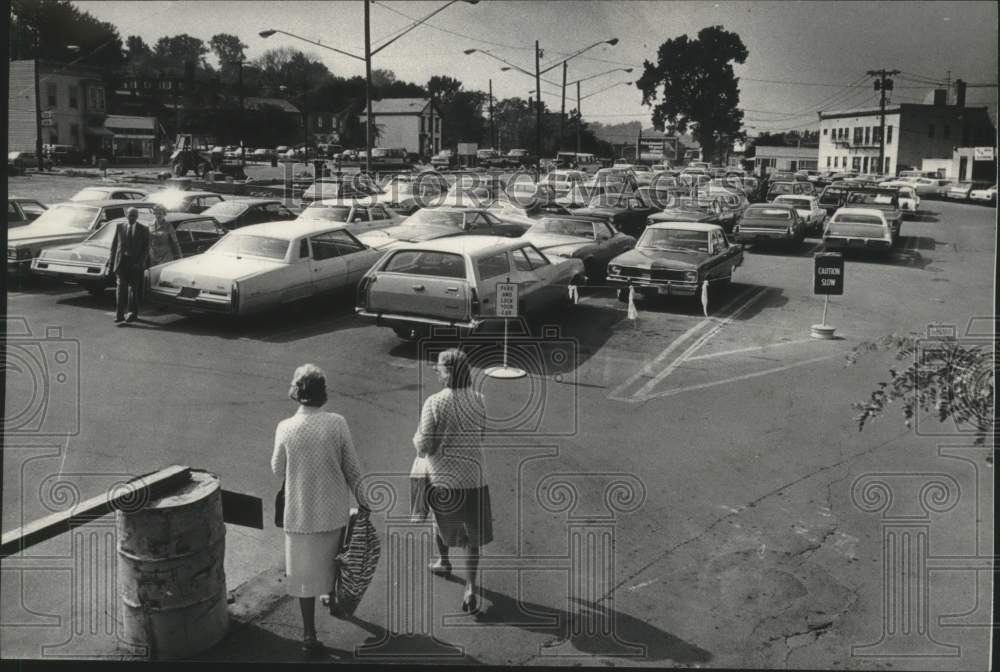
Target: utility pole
{"points": [[579, 120], [243, 139], [538, 112], [38, 111], [494, 142], [562, 112], [368, 90], [882, 84]]}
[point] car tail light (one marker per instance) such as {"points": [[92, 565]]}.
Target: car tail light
{"points": [[474, 302], [234, 297]]}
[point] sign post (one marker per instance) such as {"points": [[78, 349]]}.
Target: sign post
{"points": [[828, 278], [506, 308]]}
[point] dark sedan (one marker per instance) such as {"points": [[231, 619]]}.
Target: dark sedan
{"points": [[593, 242], [443, 222], [626, 211], [769, 223], [244, 212], [676, 259]]}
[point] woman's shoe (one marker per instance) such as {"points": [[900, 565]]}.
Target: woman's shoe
{"points": [[312, 645], [440, 568], [470, 604]]}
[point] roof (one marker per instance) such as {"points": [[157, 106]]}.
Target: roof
{"points": [[129, 122], [106, 203], [255, 103], [686, 226], [871, 212], [399, 106], [763, 206], [476, 245], [184, 216], [289, 230]]}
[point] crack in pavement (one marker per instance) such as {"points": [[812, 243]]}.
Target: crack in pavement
{"points": [[631, 577]]}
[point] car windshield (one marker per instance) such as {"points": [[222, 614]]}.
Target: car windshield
{"points": [[327, 213], [433, 217], [674, 239], [869, 220], [72, 216], [243, 245], [869, 197], [796, 202], [168, 199], [767, 213], [227, 208], [91, 195], [564, 227]]}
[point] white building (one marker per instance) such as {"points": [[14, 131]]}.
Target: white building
{"points": [[769, 159], [411, 123]]}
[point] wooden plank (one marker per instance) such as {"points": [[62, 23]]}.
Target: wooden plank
{"points": [[240, 509], [150, 487]]}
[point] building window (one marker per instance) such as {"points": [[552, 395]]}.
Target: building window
{"points": [[824, 131], [856, 163], [95, 98], [888, 135], [50, 90], [74, 134], [876, 135], [868, 135], [886, 171], [74, 91], [828, 162], [946, 131], [858, 134], [930, 130]]}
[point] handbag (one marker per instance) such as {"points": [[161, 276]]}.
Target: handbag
{"points": [[279, 507], [355, 565], [420, 484]]}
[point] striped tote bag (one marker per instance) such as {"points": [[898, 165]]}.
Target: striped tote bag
{"points": [[355, 564]]}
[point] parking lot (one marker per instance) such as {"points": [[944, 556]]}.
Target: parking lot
{"points": [[737, 425]]}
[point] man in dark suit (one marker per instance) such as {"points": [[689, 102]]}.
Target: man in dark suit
{"points": [[129, 260]]}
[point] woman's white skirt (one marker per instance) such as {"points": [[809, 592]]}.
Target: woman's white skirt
{"points": [[309, 562]]}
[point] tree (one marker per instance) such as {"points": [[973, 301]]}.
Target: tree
{"points": [[443, 88], [180, 50], [57, 30], [382, 78], [699, 87], [228, 49], [947, 377]]}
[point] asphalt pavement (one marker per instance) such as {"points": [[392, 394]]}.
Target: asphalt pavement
{"points": [[680, 490]]}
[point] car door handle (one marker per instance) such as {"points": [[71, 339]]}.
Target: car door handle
{"points": [[451, 289], [418, 288]]}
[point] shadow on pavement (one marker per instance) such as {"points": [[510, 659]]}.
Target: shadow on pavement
{"points": [[383, 645], [257, 644]]}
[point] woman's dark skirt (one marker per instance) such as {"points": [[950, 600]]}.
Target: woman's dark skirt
{"points": [[462, 517]]}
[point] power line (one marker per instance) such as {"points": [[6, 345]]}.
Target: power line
{"points": [[451, 32]]}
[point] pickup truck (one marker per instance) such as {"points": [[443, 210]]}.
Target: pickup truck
{"points": [[885, 200]]}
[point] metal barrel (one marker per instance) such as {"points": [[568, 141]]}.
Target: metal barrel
{"points": [[171, 574]]}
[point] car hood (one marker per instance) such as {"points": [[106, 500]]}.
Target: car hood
{"points": [[206, 268], [31, 234], [544, 241], [682, 215], [91, 253], [382, 238], [599, 212], [649, 259]]}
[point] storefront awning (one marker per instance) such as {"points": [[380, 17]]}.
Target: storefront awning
{"points": [[97, 130]]}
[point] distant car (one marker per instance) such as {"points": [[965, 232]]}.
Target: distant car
{"points": [[63, 155], [675, 259], [858, 228], [175, 200], [808, 208], [405, 193], [790, 187], [593, 242], [235, 214], [65, 223], [686, 209], [886, 200], [21, 211], [358, 215], [833, 197], [262, 154], [86, 263], [518, 157], [626, 211], [443, 159], [443, 222], [21, 160], [963, 190], [580, 195], [926, 187], [346, 186], [987, 195], [453, 282], [563, 180], [108, 194], [770, 222], [259, 268]]}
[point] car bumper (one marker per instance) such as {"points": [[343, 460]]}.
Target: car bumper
{"points": [[197, 304], [397, 320], [69, 271], [18, 265], [751, 235], [646, 284], [843, 243]]}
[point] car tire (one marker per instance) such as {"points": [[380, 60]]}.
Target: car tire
{"points": [[179, 170], [623, 294]]}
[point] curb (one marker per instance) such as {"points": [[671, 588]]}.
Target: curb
{"points": [[256, 598]]}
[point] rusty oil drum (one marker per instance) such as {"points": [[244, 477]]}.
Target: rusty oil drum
{"points": [[171, 574]]}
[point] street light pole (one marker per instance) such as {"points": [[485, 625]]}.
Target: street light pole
{"points": [[368, 89], [538, 113], [243, 133], [579, 119], [493, 136], [562, 110]]}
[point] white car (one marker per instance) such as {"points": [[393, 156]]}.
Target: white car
{"points": [[358, 214], [261, 267], [858, 228], [808, 209], [909, 200], [988, 195], [563, 180]]}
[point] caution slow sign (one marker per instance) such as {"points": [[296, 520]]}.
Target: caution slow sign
{"points": [[828, 277]]}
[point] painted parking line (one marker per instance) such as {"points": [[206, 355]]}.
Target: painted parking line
{"points": [[769, 346], [618, 394]]}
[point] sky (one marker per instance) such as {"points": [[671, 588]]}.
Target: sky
{"points": [[803, 56]]}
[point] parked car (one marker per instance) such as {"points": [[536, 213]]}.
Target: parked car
{"points": [[443, 222], [20, 160], [580, 195], [562, 181], [406, 193], [452, 282], [518, 157], [259, 268], [342, 186], [175, 200], [65, 223], [108, 194], [987, 195], [886, 200], [443, 159], [63, 155], [626, 211], [833, 197], [674, 259], [234, 214], [962, 191], [770, 222], [358, 215], [791, 187], [21, 211], [808, 209], [686, 209], [87, 263], [262, 154], [593, 242], [858, 228]]}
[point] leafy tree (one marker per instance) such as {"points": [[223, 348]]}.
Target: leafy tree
{"points": [[947, 377], [178, 51], [443, 88], [228, 49], [699, 88], [382, 78], [57, 30]]}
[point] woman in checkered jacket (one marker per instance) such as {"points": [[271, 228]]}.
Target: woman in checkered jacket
{"points": [[450, 436]]}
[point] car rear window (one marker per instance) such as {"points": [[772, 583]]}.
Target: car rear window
{"points": [[251, 246], [424, 262], [91, 195], [768, 213], [857, 219], [327, 213]]}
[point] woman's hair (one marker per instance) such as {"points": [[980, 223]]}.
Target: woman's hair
{"points": [[308, 385], [457, 364]]}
